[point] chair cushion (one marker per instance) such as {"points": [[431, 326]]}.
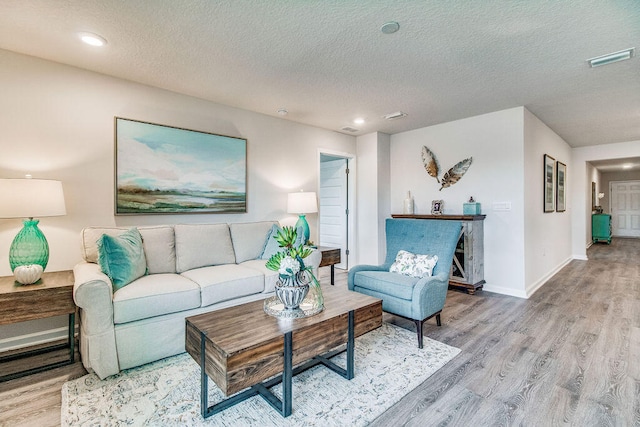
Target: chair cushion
{"points": [[249, 239], [385, 282], [201, 245], [270, 276], [154, 295], [413, 265], [224, 282], [122, 257]]}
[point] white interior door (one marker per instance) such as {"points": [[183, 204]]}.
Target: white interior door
{"points": [[333, 207], [625, 208]]}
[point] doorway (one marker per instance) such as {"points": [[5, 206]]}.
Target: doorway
{"points": [[335, 201], [625, 208]]}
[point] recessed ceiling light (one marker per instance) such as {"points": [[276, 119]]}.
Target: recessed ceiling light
{"points": [[626, 166], [611, 57], [358, 121], [390, 27], [283, 112], [92, 39]]}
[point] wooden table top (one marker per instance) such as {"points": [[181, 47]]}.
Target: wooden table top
{"points": [[49, 280], [236, 328]]}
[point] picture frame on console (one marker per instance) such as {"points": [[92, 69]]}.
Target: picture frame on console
{"points": [[163, 169], [437, 207], [549, 183]]}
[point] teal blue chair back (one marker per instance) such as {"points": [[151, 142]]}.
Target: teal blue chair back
{"points": [[423, 236]]}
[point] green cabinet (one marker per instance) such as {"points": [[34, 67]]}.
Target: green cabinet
{"points": [[601, 228]]}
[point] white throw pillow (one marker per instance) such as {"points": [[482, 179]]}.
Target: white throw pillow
{"points": [[404, 263], [413, 265]]}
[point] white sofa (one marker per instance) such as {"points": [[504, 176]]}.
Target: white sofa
{"points": [[191, 269]]}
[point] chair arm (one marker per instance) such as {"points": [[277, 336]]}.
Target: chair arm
{"points": [[93, 293], [429, 295], [363, 267]]}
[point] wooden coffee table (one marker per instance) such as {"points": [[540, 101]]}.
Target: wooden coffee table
{"points": [[240, 347]]}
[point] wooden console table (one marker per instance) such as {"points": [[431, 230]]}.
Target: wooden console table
{"points": [[50, 296], [467, 269]]}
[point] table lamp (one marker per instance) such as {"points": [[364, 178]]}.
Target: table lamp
{"points": [[302, 203], [29, 198]]}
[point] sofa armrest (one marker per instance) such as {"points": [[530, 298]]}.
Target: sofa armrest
{"points": [[362, 267], [429, 295], [93, 293]]}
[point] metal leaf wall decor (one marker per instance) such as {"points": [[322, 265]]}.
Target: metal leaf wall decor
{"points": [[452, 176], [430, 163]]}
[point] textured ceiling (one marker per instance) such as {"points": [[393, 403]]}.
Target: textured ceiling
{"points": [[327, 62]]}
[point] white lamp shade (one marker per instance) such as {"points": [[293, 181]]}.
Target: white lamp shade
{"points": [[31, 198], [302, 202]]}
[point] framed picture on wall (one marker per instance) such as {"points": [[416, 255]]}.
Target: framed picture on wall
{"points": [[561, 187], [168, 170], [549, 183]]}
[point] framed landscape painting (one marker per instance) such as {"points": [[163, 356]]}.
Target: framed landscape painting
{"points": [[549, 183], [168, 170], [561, 187]]}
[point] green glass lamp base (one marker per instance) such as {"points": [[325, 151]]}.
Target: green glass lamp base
{"points": [[29, 246], [302, 222]]}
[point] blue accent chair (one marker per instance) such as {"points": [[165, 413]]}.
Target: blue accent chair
{"points": [[417, 299]]}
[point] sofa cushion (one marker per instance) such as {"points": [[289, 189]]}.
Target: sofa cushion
{"points": [[201, 245], [159, 249], [121, 257], [158, 242], [249, 239], [384, 282], [224, 282], [154, 295], [270, 276]]}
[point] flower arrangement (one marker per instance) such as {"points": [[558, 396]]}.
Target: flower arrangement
{"points": [[289, 262], [295, 278]]}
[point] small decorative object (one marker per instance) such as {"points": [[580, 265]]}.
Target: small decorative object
{"points": [[437, 207], [295, 279], [29, 198], [452, 176], [561, 182], [302, 203], [408, 204], [471, 207], [549, 183], [28, 274]]}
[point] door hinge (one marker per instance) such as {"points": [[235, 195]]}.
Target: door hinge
{"points": [[346, 171], [346, 252]]}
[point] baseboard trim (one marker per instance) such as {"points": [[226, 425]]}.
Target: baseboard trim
{"points": [[504, 291], [530, 290], [36, 338]]}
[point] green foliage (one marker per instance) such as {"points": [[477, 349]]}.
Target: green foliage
{"points": [[286, 238]]}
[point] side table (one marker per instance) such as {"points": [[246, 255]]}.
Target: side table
{"points": [[330, 256], [50, 296]]}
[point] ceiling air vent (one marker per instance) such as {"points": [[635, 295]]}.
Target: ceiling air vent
{"points": [[396, 115], [349, 129]]}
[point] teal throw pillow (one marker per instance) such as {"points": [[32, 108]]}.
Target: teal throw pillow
{"points": [[122, 257], [271, 246]]}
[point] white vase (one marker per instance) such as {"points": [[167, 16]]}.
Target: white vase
{"points": [[408, 205]]}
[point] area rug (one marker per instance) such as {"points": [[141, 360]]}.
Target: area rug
{"points": [[388, 365]]}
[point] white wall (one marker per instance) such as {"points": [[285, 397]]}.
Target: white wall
{"points": [[495, 141], [581, 187], [372, 195], [57, 123], [547, 235]]}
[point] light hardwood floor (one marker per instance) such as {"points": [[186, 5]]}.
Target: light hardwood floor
{"points": [[566, 356]]}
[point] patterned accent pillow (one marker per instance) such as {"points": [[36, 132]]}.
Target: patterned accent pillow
{"points": [[424, 265], [404, 263], [413, 265]]}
